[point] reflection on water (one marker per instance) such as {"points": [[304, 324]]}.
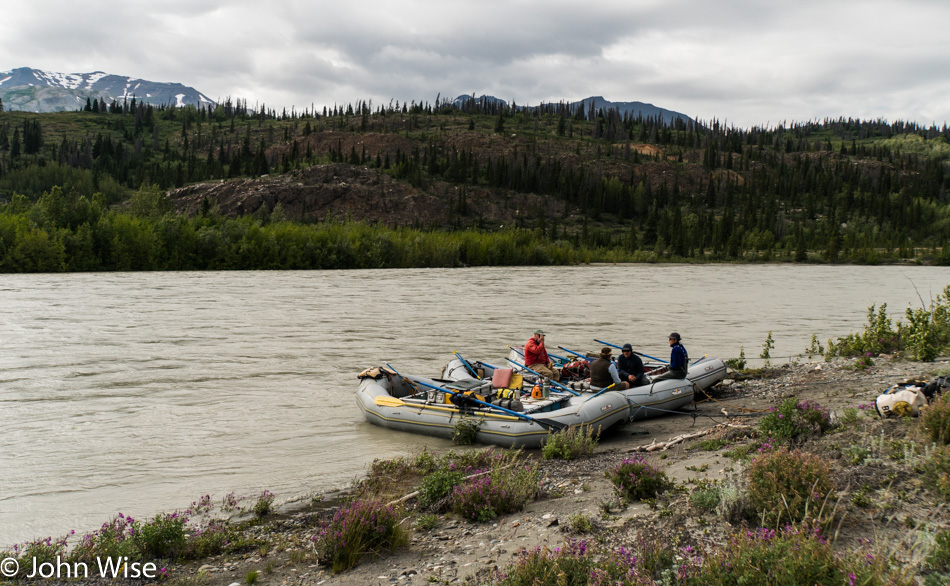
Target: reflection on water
{"points": [[140, 392]]}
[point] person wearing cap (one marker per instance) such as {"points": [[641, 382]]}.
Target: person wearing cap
{"points": [[536, 357], [679, 360], [630, 367], [603, 372]]}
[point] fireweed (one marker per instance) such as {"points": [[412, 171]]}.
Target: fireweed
{"points": [[578, 562], [358, 529], [636, 479], [44, 551], [793, 421], [115, 538], [193, 533], [162, 537], [264, 504], [511, 484], [791, 555]]}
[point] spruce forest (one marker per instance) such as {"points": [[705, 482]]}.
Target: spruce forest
{"points": [[131, 186]]}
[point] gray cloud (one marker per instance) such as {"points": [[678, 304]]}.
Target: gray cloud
{"points": [[744, 61]]}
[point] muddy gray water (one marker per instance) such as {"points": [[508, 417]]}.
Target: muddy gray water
{"points": [[140, 392]]}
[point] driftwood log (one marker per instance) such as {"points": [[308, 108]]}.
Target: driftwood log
{"points": [[662, 446]]}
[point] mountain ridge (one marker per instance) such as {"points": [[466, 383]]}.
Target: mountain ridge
{"points": [[35, 90], [598, 102]]}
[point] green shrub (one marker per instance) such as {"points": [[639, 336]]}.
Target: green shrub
{"points": [[162, 537], [790, 486], [737, 363], [849, 416], [924, 336], [465, 431], [570, 443], [580, 523], [939, 558], [706, 498], [636, 479], [710, 445], [438, 485], [878, 336], [427, 522], [767, 348], [358, 529], [936, 420], [937, 470]]}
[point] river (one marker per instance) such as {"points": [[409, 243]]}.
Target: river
{"points": [[140, 392]]}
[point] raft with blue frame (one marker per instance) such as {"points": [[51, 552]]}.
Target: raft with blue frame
{"points": [[422, 405]]}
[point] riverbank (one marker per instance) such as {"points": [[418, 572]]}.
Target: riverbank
{"points": [[884, 499]]}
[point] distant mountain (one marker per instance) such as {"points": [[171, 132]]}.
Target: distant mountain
{"points": [[633, 108], [33, 90]]}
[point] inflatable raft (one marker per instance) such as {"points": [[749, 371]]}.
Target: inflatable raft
{"points": [[435, 407]]}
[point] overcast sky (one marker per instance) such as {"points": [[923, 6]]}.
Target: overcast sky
{"points": [[744, 62]]}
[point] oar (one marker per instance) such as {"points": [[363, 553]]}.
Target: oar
{"points": [[546, 423], [635, 352], [467, 365], [578, 354], [553, 382]]}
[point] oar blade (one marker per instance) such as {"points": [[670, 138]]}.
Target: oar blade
{"points": [[387, 401]]}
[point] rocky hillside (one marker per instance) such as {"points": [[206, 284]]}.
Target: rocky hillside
{"points": [[357, 192]]}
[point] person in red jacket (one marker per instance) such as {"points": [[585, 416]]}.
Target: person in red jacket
{"points": [[536, 357]]}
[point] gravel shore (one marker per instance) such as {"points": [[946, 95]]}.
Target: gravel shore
{"points": [[456, 551]]}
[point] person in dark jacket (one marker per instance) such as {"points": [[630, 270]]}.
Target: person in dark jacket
{"points": [[603, 373], [630, 367], [679, 360]]}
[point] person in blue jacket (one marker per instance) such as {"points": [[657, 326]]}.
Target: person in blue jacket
{"points": [[679, 360]]}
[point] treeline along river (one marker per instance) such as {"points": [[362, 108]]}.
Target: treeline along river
{"points": [[139, 392]]}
